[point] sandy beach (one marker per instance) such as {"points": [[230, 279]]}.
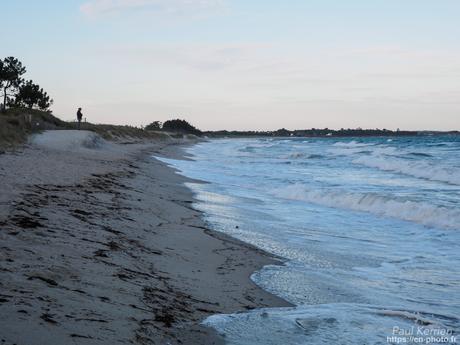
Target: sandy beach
{"points": [[100, 244], [229, 172]]}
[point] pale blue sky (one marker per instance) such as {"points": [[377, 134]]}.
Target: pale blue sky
{"points": [[244, 64]]}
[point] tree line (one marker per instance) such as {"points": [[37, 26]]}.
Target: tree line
{"points": [[183, 127], [18, 92], [324, 132], [176, 126]]}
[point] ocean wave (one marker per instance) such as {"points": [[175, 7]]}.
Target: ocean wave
{"points": [[315, 156], [321, 324], [386, 150], [350, 144], [345, 149], [257, 145], [297, 155], [419, 212], [419, 154], [437, 144], [416, 169], [348, 151]]}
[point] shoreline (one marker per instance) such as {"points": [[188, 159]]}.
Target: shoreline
{"points": [[102, 246]]}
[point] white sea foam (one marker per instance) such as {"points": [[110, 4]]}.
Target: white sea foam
{"points": [[299, 155], [419, 212], [416, 169], [385, 150], [350, 144], [350, 149], [343, 323], [354, 276]]}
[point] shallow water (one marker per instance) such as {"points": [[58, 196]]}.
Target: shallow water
{"points": [[369, 228]]}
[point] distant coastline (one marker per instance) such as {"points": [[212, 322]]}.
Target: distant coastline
{"points": [[326, 132]]}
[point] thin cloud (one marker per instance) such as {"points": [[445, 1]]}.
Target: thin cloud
{"points": [[199, 57], [96, 8]]}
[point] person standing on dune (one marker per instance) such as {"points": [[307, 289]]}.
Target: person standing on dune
{"points": [[79, 117]]}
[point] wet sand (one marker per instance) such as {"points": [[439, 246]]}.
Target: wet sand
{"points": [[100, 244]]}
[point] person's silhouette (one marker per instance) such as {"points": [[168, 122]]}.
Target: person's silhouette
{"points": [[79, 117]]}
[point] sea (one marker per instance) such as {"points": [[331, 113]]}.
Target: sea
{"points": [[367, 231]]}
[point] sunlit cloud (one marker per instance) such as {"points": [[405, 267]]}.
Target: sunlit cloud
{"points": [[95, 8]]}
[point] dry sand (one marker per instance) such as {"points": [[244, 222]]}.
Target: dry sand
{"points": [[100, 244]]}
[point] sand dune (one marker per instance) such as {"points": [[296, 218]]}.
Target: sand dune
{"points": [[71, 140]]}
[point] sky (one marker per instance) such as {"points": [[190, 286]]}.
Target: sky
{"points": [[244, 64]]}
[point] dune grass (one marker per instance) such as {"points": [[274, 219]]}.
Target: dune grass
{"points": [[115, 132], [17, 124]]}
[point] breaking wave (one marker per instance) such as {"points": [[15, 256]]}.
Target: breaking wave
{"points": [[419, 212], [415, 169], [351, 144]]}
